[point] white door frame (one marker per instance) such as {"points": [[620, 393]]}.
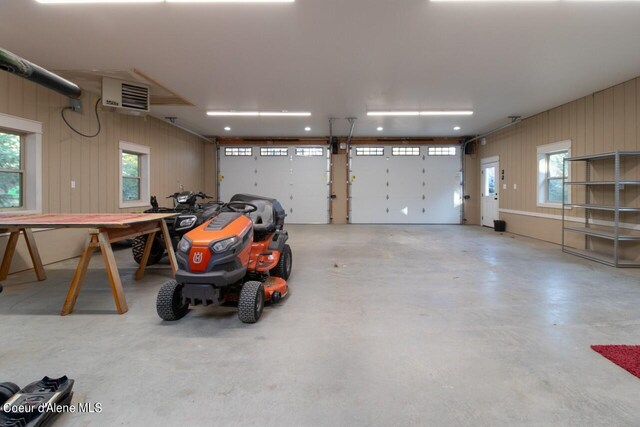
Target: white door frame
{"points": [[484, 161]]}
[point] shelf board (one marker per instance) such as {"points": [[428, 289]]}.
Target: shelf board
{"points": [[601, 233], [602, 156], [603, 207], [598, 257], [601, 183]]}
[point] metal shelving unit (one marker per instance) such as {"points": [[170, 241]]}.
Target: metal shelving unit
{"points": [[606, 232]]}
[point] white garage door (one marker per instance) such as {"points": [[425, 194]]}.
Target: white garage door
{"points": [[296, 176], [405, 185]]}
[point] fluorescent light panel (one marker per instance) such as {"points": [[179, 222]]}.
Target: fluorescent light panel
{"points": [[230, 1], [258, 113], [496, 1], [161, 1], [421, 113], [98, 1]]}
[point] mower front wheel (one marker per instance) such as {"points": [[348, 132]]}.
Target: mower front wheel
{"points": [[251, 302], [285, 263], [169, 304]]}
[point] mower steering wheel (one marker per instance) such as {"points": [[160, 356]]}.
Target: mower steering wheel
{"points": [[248, 207]]}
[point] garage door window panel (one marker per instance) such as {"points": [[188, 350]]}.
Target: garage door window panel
{"points": [[405, 151], [238, 151], [309, 151]]}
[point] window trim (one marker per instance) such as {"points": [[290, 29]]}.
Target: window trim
{"points": [[31, 133], [543, 152], [144, 170]]}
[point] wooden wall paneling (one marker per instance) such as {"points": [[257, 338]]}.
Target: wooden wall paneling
{"points": [[4, 92], [15, 96]]}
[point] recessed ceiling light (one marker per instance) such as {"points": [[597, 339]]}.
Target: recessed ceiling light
{"points": [[227, 128], [259, 113], [421, 113], [307, 129], [456, 128], [380, 129]]}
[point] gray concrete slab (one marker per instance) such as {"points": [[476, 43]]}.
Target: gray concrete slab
{"points": [[385, 325]]}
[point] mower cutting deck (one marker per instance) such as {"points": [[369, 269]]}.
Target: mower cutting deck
{"points": [[239, 257]]}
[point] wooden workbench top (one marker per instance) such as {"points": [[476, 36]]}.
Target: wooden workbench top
{"points": [[88, 220]]}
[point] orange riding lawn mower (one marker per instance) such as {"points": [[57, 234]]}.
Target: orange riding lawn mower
{"points": [[239, 257]]}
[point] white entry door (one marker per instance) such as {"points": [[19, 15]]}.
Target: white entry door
{"points": [[298, 177], [489, 191], [405, 185]]}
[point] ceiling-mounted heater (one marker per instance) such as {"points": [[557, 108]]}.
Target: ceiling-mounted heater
{"points": [[134, 97]]}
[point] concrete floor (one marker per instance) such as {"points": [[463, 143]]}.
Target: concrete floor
{"points": [[385, 325]]}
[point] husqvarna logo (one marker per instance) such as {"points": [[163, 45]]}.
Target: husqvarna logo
{"points": [[197, 257]]}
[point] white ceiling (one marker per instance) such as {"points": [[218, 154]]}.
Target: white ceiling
{"points": [[342, 57]]}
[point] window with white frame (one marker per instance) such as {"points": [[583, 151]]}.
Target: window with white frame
{"points": [[134, 175], [552, 169], [11, 170], [20, 164]]}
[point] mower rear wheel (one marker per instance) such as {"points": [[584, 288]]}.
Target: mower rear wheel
{"points": [[157, 250], [285, 263], [7, 390], [251, 302], [169, 304]]}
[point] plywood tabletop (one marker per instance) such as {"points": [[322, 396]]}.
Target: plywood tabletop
{"points": [[88, 220]]}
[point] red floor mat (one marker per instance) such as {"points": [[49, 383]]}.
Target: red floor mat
{"points": [[625, 356]]}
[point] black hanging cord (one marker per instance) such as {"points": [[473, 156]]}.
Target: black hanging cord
{"points": [[78, 132]]}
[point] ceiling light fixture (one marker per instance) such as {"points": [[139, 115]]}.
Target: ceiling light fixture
{"points": [[380, 129], [307, 129], [230, 1], [259, 113], [98, 1], [456, 128], [421, 113], [161, 1], [503, 1], [447, 113], [227, 128], [393, 113]]}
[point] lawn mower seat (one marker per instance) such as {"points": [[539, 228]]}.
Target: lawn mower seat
{"points": [[269, 216], [263, 218]]}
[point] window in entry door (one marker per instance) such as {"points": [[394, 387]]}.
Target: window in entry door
{"points": [[490, 181]]}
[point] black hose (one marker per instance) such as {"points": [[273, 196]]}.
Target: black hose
{"points": [[78, 132]]}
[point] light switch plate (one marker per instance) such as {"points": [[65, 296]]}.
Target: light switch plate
{"points": [[504, 186], [515, 186], [73, 184]]}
